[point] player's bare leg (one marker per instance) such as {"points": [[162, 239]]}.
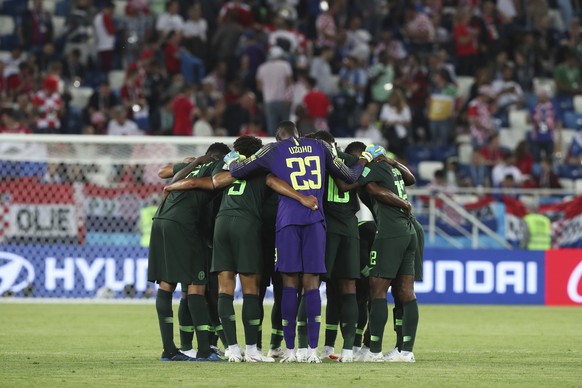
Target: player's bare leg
{"points": [[405, 293]]}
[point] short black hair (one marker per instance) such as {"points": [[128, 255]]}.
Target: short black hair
{"points": [[355, 148], [218, 149], [247, 145], [325, 136], [286, 129]]}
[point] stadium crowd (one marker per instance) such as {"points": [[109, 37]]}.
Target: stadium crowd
{"points": [[417, 77]]}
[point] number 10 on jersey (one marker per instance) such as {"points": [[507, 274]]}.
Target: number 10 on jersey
{"points": [[305, 168]]}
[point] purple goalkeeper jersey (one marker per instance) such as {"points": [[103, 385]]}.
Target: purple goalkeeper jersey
{"points": [[302, 163]]}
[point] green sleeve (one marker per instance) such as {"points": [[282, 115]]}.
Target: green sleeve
{"points": [[218, 168], [349, 159], [178, 167], [369, 175]]}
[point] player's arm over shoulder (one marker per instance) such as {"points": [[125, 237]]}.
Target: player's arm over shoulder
{"points": [[260, 160], [337, 168]]}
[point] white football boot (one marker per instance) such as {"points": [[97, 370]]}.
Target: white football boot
{"points": [[276, 353], [368, 356], [302, 355], [233, 354], [190, 353], [290, 356], [402, 356], [312, 357], [328, 352], [255, 355], [346, 356]]}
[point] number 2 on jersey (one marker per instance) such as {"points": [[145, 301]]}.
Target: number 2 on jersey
{"points": [[301, 166]]}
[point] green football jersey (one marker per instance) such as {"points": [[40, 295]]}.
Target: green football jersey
{"points": [[187, 206], [391, 220], [244, 197], [340, 208]]}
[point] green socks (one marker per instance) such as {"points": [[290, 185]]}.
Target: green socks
{"points": [[362, 320], [201, 320], [186, 325], [349, 319], [397, 319], [331, 319], [378, 318], [251, 315], [227, 318], [409, 324], [166, 320]]}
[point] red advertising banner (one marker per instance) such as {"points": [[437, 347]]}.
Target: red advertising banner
{"points": [[564, 277]]}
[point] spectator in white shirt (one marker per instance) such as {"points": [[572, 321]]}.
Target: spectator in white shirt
{"points": [[170, 20], [120, 125], [321, 71], [273, 80], [508, 91], [505, 168]]}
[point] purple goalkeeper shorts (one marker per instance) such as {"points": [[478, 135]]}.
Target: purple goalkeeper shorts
{"points": [[301, 248]]}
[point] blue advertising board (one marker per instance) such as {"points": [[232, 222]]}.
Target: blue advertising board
{"points": [[488, 276], [450, 276]]}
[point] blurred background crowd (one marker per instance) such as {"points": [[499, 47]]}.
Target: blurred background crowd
{"points": [[469, 93]]}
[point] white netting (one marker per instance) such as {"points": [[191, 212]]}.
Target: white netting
{"points": [[75, 211]]}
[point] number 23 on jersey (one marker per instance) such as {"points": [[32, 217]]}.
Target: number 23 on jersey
{"points": [[304, 169]]}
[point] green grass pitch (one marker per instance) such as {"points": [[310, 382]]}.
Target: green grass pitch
{"points": [[86, 345]]}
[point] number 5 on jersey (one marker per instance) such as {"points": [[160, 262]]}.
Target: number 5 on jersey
{"points": [[310, 166]]}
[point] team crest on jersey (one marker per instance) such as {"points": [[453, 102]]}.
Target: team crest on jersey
{"points": [[201, 275], [365, 172]]}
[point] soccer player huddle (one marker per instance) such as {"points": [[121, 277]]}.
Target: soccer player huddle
{"points": [[285, 214]]}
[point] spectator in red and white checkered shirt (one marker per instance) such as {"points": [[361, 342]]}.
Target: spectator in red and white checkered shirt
{"points": [[480, 116], [418, 29], [326, 27], [48, 105]]}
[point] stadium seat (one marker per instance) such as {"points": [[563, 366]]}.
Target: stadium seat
{"points": [[578, 186], [573, 120], [7, 26], [47, 5], [59, 25], [570, 171], [119, 8], [463, 138], [80, 97], [465, 153], [13, 7], [9, 42], [510, 137], [567, 184], [416, 154], [547, 84], [564, 103], [518, 119], [441, 153], [567, 137], [116, 78], [578, 104], [464, 86], [426, 169]]}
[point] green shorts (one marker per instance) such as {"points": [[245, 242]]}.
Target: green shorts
{"points": [[394, 256], [237, 245], [177, 253], [342, 256], [419, 252]]}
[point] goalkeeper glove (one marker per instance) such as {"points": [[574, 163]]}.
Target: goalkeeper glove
{"points": [[232, 156], [372, 152]]}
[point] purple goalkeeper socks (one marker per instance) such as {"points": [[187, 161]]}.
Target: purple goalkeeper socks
{"points": [[289, 315], [313, 310]]}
